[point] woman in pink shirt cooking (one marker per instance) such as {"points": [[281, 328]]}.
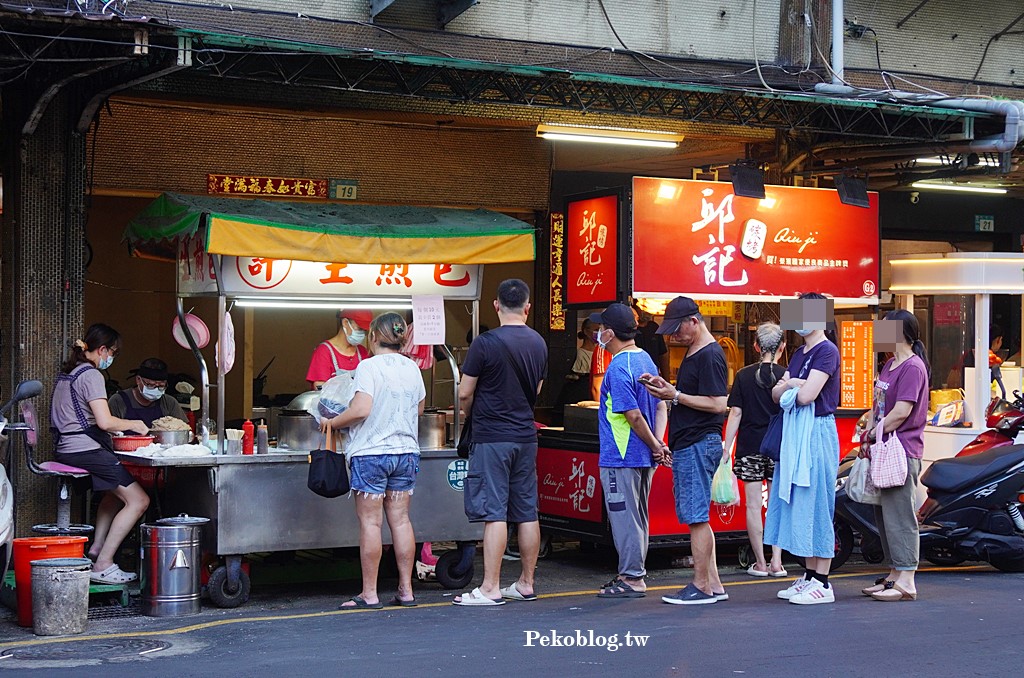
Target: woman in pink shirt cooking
{"points": [[342, 352]]}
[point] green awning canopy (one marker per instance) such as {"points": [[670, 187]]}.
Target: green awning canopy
{"points": [[328, 231]]}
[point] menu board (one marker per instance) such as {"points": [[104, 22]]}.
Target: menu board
{"points": [[857, 351]]}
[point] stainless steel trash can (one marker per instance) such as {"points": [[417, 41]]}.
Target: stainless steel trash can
{"points": [[170, 564]]}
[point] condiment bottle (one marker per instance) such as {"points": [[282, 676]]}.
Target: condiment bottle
{"points": [[262, 440], [248, 437]]}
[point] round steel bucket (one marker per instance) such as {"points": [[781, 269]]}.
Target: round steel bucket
{"points": [[170, 565]]}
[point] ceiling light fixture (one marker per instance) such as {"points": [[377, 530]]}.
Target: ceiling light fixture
{"points": [[960, 188], [609, 135], [747, 179], [326, 304], [936, 160], [852, 191]]}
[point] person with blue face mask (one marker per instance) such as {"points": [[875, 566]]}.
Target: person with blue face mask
{"points": [[148, 400], [81, 423], [344, 351]]}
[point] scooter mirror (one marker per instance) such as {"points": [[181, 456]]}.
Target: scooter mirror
{"points": [[28, 389]]}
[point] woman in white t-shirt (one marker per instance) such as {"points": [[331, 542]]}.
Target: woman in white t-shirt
{"points": [[384, 453]]}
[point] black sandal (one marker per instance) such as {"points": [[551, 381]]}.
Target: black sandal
{"points": [[361, 604], [617, 588], [881, 581]]}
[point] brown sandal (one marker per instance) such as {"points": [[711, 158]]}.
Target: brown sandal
{"points": [[879, 585], [893, 593]]}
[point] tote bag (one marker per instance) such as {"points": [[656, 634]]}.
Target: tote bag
{"points": [[328, 474], [888, 461]]}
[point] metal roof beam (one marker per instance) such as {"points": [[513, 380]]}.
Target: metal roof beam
{"points": [[378, 6], [448, 10]]}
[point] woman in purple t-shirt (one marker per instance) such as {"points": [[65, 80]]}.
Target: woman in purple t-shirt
{"points": [[901, 397]]}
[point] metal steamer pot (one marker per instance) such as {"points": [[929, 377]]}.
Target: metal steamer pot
{"points": [[297, 429], [432, 431]]}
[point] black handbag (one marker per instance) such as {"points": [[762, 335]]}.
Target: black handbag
{"points": [[466, 436], [771, 444], [328, 474]]}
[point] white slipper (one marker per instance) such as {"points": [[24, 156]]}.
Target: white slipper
{"points": [[512, 593], [780, 573], [754, 572], [112, 575], [477, 599]]}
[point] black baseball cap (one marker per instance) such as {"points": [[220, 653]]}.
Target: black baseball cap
{"points": [[617, 317], [678, 309]]}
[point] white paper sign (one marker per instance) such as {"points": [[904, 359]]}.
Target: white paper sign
{"points": [[428, 319]]}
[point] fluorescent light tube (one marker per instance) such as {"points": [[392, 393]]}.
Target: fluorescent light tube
{"points": [[960, 188]]}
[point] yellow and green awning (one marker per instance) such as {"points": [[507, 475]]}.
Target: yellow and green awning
{"points": [[309, 231]]}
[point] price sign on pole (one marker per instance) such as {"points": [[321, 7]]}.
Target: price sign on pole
{"points": [[428, 318]]}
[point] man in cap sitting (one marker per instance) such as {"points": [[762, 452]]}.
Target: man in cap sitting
{"points": [[148, 401]]}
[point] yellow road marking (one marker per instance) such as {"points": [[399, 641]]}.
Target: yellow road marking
{"points": [[333, 613]]}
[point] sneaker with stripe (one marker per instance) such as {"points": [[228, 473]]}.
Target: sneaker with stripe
{"points": [[814, 593], [796, 587]]}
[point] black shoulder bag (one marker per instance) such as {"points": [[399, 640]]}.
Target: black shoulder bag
{"points": [[466, 436]]}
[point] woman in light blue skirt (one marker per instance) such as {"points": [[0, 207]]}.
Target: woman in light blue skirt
{"points": [[800, 514]]}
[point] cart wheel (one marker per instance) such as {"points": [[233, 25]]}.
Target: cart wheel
{"points": [[743, 554], [445, 571], [217, 587]]}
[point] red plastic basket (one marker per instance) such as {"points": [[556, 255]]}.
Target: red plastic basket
{"points": [[145, 476], [130, 443]]}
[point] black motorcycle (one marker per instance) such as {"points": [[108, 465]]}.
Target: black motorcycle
{"points": [[972, 512]]}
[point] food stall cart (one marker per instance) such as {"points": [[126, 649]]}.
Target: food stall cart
{"points": [[946, 290], [257, 254], [698, 239]]}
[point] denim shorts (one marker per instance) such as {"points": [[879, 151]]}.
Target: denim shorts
{"points": [[377, 473], [692, 470]]}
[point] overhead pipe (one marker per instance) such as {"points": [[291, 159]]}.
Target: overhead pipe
{"points": [[1012, 112], [838, 56]]}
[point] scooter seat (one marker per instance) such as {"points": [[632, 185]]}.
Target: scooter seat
{"points": [[953, 475]]}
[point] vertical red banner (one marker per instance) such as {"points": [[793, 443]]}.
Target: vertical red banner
{"points": [[592, 263], [557, 312]]}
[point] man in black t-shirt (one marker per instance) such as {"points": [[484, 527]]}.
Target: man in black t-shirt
{"points": [[695, 436], [501, 377]]}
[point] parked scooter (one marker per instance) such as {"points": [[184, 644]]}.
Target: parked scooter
{"points": [[1005, 421], [972, 511], [24, 391]]}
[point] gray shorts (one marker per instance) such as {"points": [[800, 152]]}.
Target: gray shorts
{"points": [[501, 485]]}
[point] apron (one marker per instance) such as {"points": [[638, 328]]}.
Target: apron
{"points": [[334, 358], [98, 435], [147, 414]]}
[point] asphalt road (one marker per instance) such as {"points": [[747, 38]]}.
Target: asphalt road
{"points": [[966, 623]]}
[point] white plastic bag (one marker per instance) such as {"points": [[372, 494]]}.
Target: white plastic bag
{"points": [[725, 489], [858, 483], [336, 394]]}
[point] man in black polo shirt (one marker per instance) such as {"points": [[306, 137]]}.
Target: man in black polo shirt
{"points": [[698, 403]]}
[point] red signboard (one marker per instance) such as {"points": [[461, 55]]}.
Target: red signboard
{"points": [[697, 238], [569, 484], [591, 251]]}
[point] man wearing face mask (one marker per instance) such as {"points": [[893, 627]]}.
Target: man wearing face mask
{"points": [[148, 401], [342, 352]]}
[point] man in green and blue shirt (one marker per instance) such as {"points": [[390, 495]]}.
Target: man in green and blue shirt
{"points": [[631, 424]]}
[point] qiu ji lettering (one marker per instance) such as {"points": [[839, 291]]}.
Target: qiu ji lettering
{"points": [[592, 242], [717, 259]]}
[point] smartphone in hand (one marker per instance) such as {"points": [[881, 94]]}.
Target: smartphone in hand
{"points": [[648, 381]]}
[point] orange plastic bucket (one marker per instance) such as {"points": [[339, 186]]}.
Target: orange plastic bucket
{"points": [[27, 549]]}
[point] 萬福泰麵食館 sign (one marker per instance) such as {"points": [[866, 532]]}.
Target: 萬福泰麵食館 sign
{"points": [[698, 238]]}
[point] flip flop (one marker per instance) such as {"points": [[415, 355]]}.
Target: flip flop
{"points": [[112, 575], [361, 604], [893, 593], [512, 593], [398, 602], [873, 589], [617, 588], [477, 599]]}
